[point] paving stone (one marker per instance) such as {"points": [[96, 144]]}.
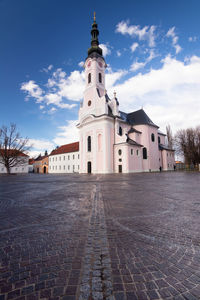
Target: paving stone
{"points": [[128, 232]]}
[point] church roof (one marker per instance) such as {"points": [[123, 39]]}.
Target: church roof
{"points": [[73, 147], [138, 117], [164, 147], [134, 143]]}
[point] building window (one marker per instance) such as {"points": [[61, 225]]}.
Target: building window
{"points": [[153, 137], [56, 158], [49, 158], [89, 77], [53, 167], [64, 167], [68, 157], [15, 169], [78, 156], [63, 157], [100, 78], [131, 151], [144, 153], [120, 152], [78, 167], [73, 156], [158, 139], [59, 167], [120, 159], [56, 167], [53, 158], [73, 167], [137, 152], [68, 167], [120, 130], [89, 143], [60, 158]]}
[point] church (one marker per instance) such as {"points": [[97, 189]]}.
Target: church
{"points": [[110, 140]]}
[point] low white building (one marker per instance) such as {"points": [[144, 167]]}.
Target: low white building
{"points": [[65, 159], [19, 168]]}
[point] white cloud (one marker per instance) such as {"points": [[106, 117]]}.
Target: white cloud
{"points": [[106, 49], [137, 65], [119, 53], [171, 33], [134, 46], [33, 90], [192, 39], [39, 147], [170, 94], [152, 36], [81, 64], [68, 133], [113, 77], [46, 70], [59, 89], [145, 33]]}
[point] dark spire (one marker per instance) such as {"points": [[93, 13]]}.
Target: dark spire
{"points": [[94, 41]]}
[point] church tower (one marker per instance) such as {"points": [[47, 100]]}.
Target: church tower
{"points": [[96, 125]]}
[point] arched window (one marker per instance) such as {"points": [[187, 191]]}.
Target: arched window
{"points": [[120, 152], [144, 153], [89, 143], [100, 78], [89, 77], [158, 139], [120, 130], [153, 137], [99, 142]]}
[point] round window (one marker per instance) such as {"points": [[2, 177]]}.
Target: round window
{"points": [[89, 102], [119, 151]]}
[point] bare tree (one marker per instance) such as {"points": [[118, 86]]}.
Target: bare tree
{"points": [[169, 136], [13, 147], [188, 144]]}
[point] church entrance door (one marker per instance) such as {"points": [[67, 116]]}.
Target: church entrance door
{"points": [[45, 170], [120, 168], [89, 167]]}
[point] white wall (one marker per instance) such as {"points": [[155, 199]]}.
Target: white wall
{"points": [[17, 169], [64, 163]]}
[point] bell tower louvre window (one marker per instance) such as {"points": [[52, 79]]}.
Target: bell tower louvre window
{"points": [[89, 78], [100, 78], [89, 143]]}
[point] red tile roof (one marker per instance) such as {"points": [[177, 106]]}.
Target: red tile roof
{"points": [[73, 147], [13, 152]]}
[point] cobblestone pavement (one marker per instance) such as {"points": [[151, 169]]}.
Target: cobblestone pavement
{"points": [[100, 237]]}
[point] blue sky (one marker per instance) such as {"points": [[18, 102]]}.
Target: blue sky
{"points": [[152, 49]]}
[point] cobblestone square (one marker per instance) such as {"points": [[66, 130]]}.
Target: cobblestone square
{"points": [[100, 236]]}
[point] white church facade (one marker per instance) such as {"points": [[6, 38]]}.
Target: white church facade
{"points": [[111, 141]]}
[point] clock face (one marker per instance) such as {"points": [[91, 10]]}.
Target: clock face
{"points": [[89, 64], [100, 65]]}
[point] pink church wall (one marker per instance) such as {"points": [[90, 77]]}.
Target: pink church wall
{"points": [[168, 160], [135, 161], [152, 161]]}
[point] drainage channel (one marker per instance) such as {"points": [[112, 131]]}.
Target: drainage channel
{"points": [[96, 281]]}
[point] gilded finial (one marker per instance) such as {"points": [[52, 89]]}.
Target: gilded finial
{"points": [[94, 16]]}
